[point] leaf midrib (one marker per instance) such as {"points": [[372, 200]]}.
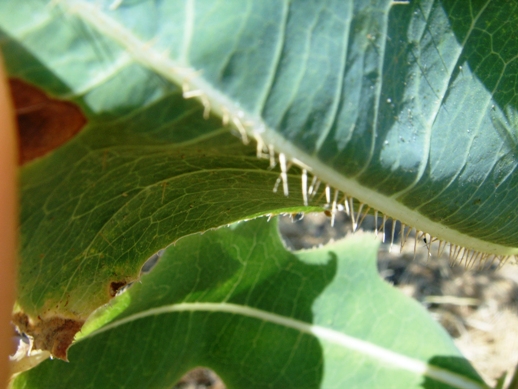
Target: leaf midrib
{"points": [[322, 333]]}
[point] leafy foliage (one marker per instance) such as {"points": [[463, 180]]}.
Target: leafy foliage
{"points": [[410, 108], [235, 300]]}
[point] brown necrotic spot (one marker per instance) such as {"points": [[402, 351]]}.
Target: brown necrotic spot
{"points": [[116, 286], [44, 123], [54, 334]]}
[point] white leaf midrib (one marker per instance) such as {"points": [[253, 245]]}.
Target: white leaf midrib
{"points": [[327, 335]]}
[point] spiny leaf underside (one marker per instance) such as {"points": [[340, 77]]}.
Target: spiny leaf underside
{"points": [[381, 134]]}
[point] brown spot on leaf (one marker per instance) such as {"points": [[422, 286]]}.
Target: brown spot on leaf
{"points": [[54, 334], [44, 123], [116, 286]]}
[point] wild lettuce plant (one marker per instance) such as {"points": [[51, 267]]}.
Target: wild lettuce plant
{"points": [[158, 125]]}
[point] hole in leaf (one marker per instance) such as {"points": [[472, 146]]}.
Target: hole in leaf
{"points": [[151, 262], [116, 287], [200, 378], [44, 123]]}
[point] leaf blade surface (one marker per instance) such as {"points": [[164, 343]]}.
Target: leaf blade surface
{"points": [[268, 317]]}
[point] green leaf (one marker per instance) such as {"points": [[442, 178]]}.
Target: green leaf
{"points": [[98, 220], [237, 301], [409, 108]]}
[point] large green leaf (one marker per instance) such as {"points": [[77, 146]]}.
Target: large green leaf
{"points": [[88, 228], [237, 301], [115, 204], [410, 108]]}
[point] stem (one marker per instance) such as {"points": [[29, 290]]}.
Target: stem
{"points": [[8, 223]]}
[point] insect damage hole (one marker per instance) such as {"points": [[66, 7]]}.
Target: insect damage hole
{"points": [[200, 377], [117, 287]]}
